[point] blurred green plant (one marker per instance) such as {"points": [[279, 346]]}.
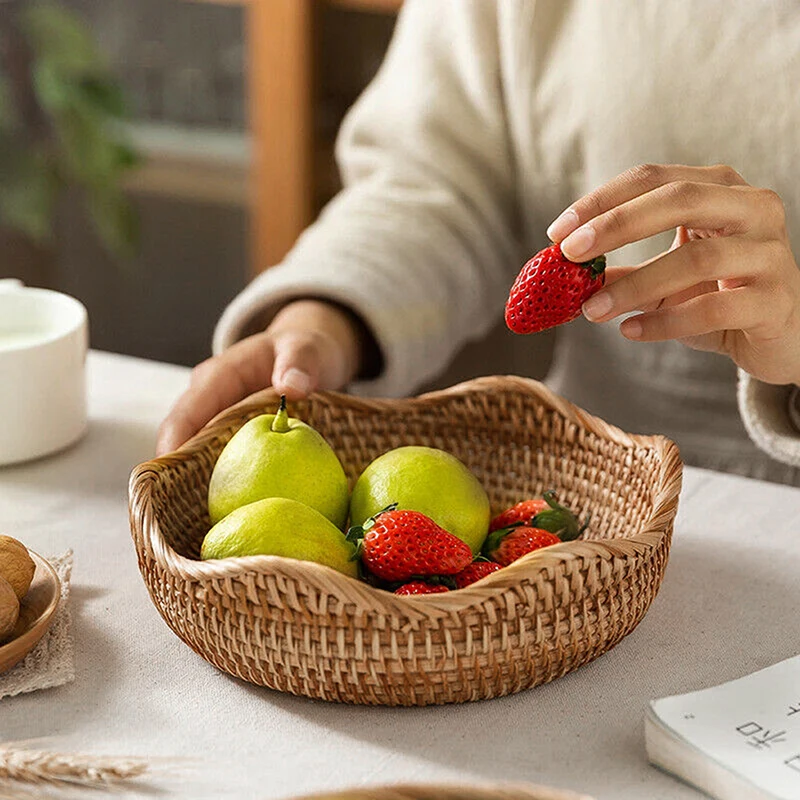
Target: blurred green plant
{"points": [[60, 125]]}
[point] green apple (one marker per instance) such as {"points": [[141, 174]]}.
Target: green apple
{"points": [[280, 527], [275, 455], [427, 480]]}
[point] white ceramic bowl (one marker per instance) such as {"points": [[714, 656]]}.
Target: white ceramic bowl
{"points": [[44, 337]]}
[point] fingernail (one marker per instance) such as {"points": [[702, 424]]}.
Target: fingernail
{"points": [[597, 306], [297, 379], [631, 329], [578, 242], [563, 225]]}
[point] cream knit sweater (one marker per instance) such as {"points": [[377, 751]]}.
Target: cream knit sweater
{"points": [[486, 120]]}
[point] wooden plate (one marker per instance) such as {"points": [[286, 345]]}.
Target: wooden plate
{"points": [[37, 610], [450, 792]]}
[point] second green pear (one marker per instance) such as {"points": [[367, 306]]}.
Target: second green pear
{"points": [[427, 480], [281, 527], [275, 455]]}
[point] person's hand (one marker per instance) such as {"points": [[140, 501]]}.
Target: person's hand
{"points": [[729, 283], [309, 345]]}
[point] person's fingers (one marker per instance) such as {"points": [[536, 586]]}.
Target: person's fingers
{"points": [[216, 384], [729, 310], [614, 272], [632, 183], [298, 362], [696, 262], [307, 361], [705, 206], [713, 342], [176, 429]]}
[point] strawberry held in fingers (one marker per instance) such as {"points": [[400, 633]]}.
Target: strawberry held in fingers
{"points": [[545, 512], [420, 587], [398, 545], [506, 545], [550, 290]]}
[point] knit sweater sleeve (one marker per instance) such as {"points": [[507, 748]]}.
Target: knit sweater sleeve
{"points": [[771, 415], [421, 243]]}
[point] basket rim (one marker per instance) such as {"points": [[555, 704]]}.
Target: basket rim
{"points": [[147, 534]]}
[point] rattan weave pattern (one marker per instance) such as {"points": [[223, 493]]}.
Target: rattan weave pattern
{"points": [[302, 628]]}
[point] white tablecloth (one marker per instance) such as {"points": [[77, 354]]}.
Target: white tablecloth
{"points": [[728, 606]]}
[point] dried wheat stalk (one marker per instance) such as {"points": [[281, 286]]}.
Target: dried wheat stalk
{"points": [[22, 764]]}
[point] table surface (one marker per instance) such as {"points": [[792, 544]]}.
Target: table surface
{"points": [[728, 606]]}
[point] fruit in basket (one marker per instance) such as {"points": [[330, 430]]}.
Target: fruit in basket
{"points": [[275, 455], [550, 290], [16, 565], [475, 572], [506, 545], [9, 609], [427, 480], [545, 512], [278, 526], [518, 514], [397, 545], [420, 587]]}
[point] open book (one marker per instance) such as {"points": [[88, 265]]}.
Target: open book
{"points": [[736, 741]]}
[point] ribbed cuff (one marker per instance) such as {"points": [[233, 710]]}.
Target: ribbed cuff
{"points": [[771, 416]]}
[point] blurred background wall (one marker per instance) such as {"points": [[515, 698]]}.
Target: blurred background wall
{"points": [[193, 73]]}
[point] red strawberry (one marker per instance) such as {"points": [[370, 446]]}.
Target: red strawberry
{"points": [[519, 514], [420, 587], [398, 545], [474, 572], [508, 544], [544, 513], [550, 290]]}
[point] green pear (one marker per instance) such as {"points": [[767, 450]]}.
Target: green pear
{"points": [[280, 527], [275, 455], [427, 480]]}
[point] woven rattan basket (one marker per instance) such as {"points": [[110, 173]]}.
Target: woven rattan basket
{"points": [[303, 628], [449, 792]]}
